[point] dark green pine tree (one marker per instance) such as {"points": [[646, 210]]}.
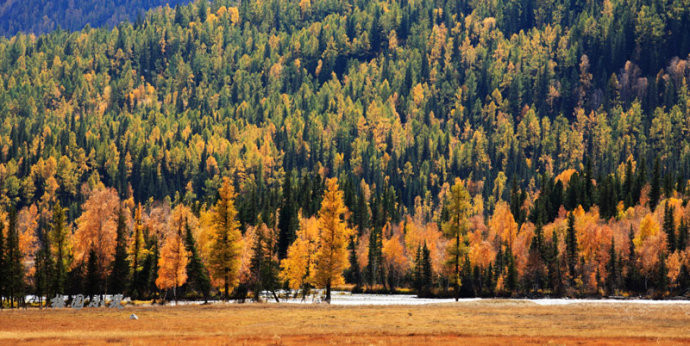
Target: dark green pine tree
{"points": [[15, 269], [555, 280], [633, 278], [264, 268], [151, 264], [427, 272], [354, 273], [119, 275], [93, 276], [571, 245], [682, 241], [661, 279], [612, 269], [467, 279], [640, 181], [535, 276], [628, 185], [417, 273], [669, 228], [511, 274], [655, 190], [196, 271], [588, 190], [43, 277], [423, 275], [373, 267], [3, 265], [58, 236], [288, 221], [684, 279]]}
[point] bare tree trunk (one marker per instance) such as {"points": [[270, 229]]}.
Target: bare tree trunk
{"points": [[227, 287]]}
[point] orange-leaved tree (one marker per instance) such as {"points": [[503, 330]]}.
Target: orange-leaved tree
{"points": [[172, 264], [332, 255], [96, 229]]}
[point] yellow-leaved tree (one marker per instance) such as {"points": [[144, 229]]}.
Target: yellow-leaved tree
{"points": [[332, 256], [458, 206], [298, 267], [224, 261]]}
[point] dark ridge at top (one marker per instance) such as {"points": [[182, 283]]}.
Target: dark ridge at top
{"points": [[41, 16]]}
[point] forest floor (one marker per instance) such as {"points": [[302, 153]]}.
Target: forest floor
{"points": [[470, 322]]}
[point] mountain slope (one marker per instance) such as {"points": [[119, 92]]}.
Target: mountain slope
{"points": [[40, 16]]}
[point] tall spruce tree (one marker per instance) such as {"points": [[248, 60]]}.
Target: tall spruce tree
{"points": [[612, 269], [43, 277], [15, 268], [374, 255], [120, 275], [58, 238], [354, 275], [427, 273], [571, 245], [3, 266], [288, 220], [197, 273], [655, 190], [682, 242], [669, 228], [93, 276], [555, 280], [633, 276]]}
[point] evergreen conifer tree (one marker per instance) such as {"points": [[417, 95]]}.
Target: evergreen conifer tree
{"points": [[93, 277], [3, 265], [611, 268], [682, 242], [119, 276], [571, 245], [669, 228], [58, 238], [15, 268], [197, 273], [43, 277], [655, 190]]}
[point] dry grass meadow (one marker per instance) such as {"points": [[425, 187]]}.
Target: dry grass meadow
{"points": [[482, 322]]}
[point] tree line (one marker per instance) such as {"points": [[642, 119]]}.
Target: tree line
{"points": [[542, 109], [160, 251]]}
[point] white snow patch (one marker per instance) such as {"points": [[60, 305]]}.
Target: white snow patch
{"points": [[346, 298]]}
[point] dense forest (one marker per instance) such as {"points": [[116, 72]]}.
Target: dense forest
{"points": [[453, 148], [41, 16]]}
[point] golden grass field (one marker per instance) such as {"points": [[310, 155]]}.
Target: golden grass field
{"points": [[481, 322]]}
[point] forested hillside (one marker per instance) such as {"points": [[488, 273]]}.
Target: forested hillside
{"points": [[41, 16], [479, 147]]}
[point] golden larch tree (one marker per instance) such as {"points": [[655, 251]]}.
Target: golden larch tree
{"points": [[97, 228], [298, 267], [27, 224], [138, 246], [503, 225], [458, 206], [172, 263], [394, 256], [332, 255], [227, 240]]}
